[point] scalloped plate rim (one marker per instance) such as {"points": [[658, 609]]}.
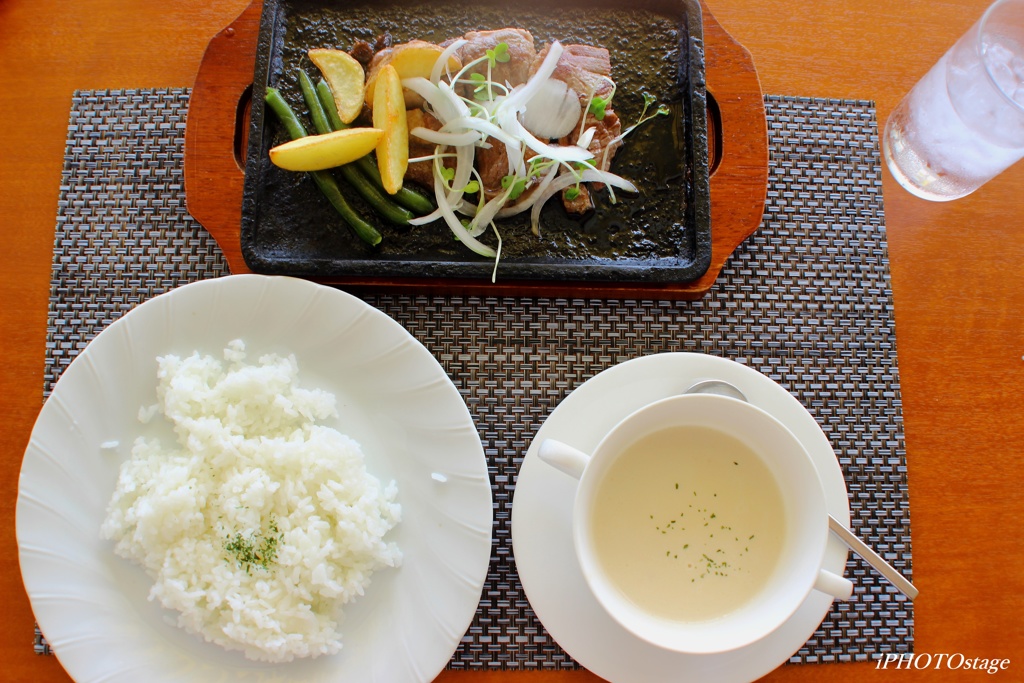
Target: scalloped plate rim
{"points": [[466, 501]]}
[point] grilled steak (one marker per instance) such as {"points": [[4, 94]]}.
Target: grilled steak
{"points": [[521, 52], [583, 68]]}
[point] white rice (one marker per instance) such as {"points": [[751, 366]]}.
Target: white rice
{"points": [[250, 459]]}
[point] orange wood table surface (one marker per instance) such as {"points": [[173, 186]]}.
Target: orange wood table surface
{"points": [[956, 270]]}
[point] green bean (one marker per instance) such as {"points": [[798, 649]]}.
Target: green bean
{"points": [[324, 180], [326, 98], [380, 202], [316, 112], [411, 200], [285, 114]]}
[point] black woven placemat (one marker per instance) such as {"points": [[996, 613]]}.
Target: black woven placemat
{"points": [[806, 301]]}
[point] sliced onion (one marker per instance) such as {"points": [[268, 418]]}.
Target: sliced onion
{"points": [[428, 218], [453, 221], [463, 168], [441, 105], [520, 97], [486, 127], [520, 207], [507, 120], [586, 138], [442, 60], [440, 137], [567, 180], [553, 112], [563, 153], [485, 215], [448, 91]]}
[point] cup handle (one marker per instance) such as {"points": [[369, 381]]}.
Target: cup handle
{"points": [[837, 586], [563, 457]]}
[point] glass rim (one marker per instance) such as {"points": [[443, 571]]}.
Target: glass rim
{"points": [[980, 28]]}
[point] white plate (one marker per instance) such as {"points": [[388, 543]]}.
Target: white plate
{"points": [[542, 533], [393, 397]]}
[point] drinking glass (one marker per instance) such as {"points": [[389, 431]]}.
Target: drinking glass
{"points": [[963, 123]]}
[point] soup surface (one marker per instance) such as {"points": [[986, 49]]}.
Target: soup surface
{"points": [[688, 523]]}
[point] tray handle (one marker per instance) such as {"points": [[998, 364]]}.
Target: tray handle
{"points": [[737, 142], [217, 130]]}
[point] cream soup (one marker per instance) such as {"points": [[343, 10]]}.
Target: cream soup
{"points": [[688, 523]]}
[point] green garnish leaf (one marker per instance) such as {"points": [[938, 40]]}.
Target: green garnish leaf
{"points": [[448, 173], [472, 187], [597, 107], [571, 194], [517, 184], [498, 54]]}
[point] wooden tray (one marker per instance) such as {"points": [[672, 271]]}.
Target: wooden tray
{"points": [[738, 140]]}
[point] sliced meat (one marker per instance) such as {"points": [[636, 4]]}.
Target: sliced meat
{"points": [[603, 146], [579, 204], [492, 165], [521, 52], [421, 172], [605, 143], [583, 68]]}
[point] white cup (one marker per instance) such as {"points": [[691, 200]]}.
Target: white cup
{"points": [[799, 547]]}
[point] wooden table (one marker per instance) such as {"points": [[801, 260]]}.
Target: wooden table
{"points": [[956, 278]]}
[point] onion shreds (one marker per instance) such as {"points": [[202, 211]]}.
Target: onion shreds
{"points": [[452, 220], [553, 112], [440, 104], [520, 207], [563, 153], [587, 137], [440, 137], [504, 117], [485, 215], [569, 179], [441, 65], [483, 126], [497, 255], [520, 97]]}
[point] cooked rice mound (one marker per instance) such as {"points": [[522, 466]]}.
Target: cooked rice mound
{"points": [[260, 524]]}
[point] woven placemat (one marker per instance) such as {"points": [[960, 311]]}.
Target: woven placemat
{"points": [[806, 301]]}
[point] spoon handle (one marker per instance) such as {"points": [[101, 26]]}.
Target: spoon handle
{"points": [[871, 557]]}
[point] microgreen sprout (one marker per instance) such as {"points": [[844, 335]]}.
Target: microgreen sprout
{"points": [[517, 183], [649, 99], [498, 54], [481, 86]]}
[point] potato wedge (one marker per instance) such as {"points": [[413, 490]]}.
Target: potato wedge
{"points": [[389, 116], [319, 152], [347, 80], [415, 58]]}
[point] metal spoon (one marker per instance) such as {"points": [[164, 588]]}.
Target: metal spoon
{"points": [[722, 388]]}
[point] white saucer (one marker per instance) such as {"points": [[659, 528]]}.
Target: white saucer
{"points": [[542, 533]]}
